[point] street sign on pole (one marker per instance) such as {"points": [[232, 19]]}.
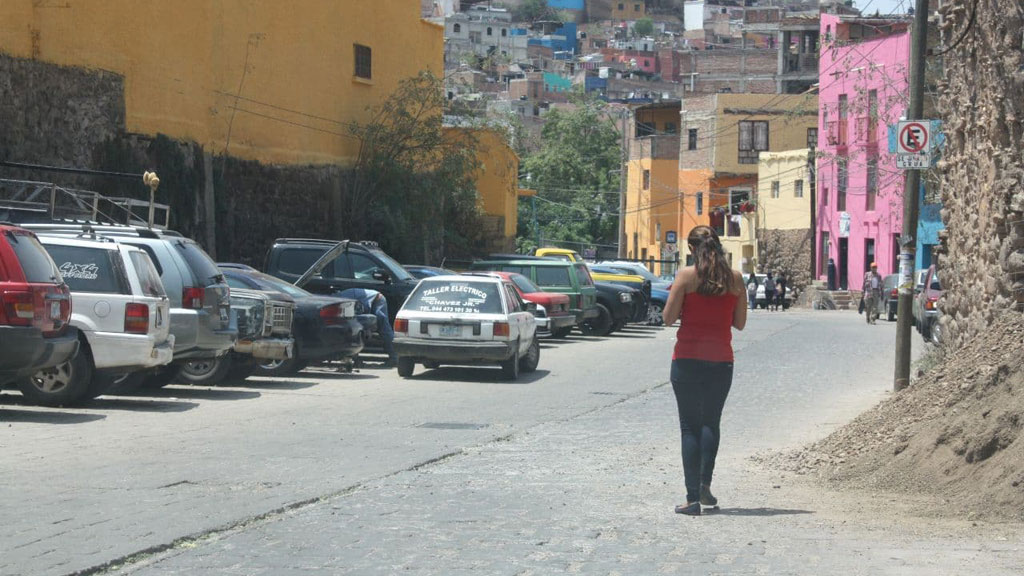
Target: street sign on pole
{"points": [[913, 145]]}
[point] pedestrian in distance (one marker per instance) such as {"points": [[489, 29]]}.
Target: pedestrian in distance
{"points": [[872, 294], [769, 291], [752, 291], [780, 291], [708, 301]]}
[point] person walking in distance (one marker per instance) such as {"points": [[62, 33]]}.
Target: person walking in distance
{"points": [[872, 293], [752, 290], [708, 299], [769, 291], [780, 291]]}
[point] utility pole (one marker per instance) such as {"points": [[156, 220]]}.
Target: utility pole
{"points": [[623, 243], [812, 185], [918, 46]]}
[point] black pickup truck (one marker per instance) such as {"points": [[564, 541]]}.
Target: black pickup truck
{"points": [[349, 265]]}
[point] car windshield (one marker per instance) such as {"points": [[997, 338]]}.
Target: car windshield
{"points": [[394, 268], [524, 284], [279, 285], [935, 282], [456, 297]]}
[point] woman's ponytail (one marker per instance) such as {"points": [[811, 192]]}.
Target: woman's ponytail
{"points": [[714, 274]]}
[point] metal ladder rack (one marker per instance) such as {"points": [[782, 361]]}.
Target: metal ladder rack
{"points": [[42, 201]]}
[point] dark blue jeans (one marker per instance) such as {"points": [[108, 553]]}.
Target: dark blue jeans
{"points": [[701, 389]]}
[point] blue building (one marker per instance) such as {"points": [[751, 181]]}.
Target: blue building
{"points": [[576, 5], [929, 224], [562, 42]]}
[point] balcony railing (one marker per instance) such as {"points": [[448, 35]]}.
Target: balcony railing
{"points": [[665, 146]]}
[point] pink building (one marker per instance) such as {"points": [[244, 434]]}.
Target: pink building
{"points": [[863, 87]]}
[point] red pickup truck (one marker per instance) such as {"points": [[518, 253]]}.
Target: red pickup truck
{"points": [[552, 314], [35, 308]]}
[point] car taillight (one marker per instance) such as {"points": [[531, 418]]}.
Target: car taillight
{"points": [[331, 314], [895, 293], [931, 303], [401, 325], [192, 298], [136, 318], [18, 308], [502, 329]]}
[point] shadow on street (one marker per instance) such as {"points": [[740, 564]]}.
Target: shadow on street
{"points": [[474, 375], [45, 416], [754, 512]]}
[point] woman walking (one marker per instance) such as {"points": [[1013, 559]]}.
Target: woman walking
{"points": [[709, 300]]}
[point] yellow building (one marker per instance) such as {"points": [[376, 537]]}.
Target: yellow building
{"points": [[276, 82], [784, 190], [628, 9], [652, 191]]}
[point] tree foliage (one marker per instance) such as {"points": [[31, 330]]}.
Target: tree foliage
{"points": [[643, 27], [576, 174], [534, 10], [413, 187]]}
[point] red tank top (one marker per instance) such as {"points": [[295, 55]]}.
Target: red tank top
{"points": [[705, 328]]}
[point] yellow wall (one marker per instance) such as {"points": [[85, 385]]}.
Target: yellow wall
{"points": [[184, 60], [497, 182], [646, 209], [788, 115], [785, 212]]}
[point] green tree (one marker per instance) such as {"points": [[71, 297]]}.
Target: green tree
{"points": [[534, 10], [412, 187], [643, 27], [576, 174]]}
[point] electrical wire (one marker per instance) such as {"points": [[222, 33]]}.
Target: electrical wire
{"points": [[963, 35]]}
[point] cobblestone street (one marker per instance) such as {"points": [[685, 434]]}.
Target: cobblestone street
{"points": [[455, 472]]}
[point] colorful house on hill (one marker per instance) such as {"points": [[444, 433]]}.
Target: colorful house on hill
{"points": [[863, 82]]}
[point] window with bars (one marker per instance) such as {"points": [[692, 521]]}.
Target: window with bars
{"points": [[775, 188], [691, 139], [700, 203], [872, 183], [812, 137], [844, 113], [364, 61], [753, 140], [647, 179], [798, 189]]}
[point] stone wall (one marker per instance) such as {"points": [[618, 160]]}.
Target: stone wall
{"points": [[982, 104], [787, 251]]}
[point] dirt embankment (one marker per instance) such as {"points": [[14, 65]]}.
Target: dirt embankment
{"points": [[956, 432]]}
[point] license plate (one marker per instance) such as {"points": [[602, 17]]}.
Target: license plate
{"points": [[449, 330], [55, 310]]}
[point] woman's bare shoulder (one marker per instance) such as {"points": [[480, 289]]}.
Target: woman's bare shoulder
{"points": [[737, 282]]}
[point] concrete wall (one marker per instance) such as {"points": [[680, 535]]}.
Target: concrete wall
{"points": [[788, 211], [983, 109], [185, 62]]}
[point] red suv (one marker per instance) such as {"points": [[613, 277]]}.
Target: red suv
{"points": [[35, 307]]}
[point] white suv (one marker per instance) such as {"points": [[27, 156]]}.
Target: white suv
{"points": [[121, 311]]}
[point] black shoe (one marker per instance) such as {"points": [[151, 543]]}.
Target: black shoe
{"points": [[690, 509], [706, 497]]}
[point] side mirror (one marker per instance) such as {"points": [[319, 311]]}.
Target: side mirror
{"points": [[381, 276], [531, 307]]}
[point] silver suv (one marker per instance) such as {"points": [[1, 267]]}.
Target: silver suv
{"points": [[121, 311], [199, 296]]}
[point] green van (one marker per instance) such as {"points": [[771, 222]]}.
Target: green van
{"points": [[558, 276]]}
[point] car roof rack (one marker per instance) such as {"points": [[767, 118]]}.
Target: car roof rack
{"points": [[47, 200], [306, 241]]}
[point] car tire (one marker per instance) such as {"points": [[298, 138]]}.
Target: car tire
{"points": [[206, 371], [431, 365], [562, 332], [617, 326], [405, 367], [936, 334], [510, 367], [66, 384], [285, 367], [599, 326], [926, 331], [655, 314], [528, 363]]}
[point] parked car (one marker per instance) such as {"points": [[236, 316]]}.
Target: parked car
{"points": [[466, 320], [552, 314], [199, 297], [324, 327], [617, 305], [419, 272], [891, 290], [638, 269], [603, 275], [554, 276], [121, 311], [35, 310], [926, 307], [329, 266], [656, 307], [264, 323]]}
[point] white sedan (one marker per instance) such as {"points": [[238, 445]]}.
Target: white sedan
{"points": [[466, 320]]}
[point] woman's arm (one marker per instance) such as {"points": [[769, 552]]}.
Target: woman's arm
{"points": [[674, 304], [739, 313]]}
